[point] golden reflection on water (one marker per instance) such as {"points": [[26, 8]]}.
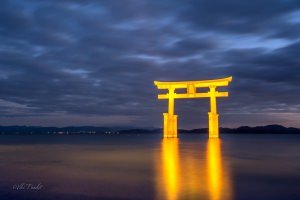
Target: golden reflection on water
{"points": [[170, 167], [192, 172]]}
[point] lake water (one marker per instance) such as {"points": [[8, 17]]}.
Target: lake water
{"points": [[149, 167]]}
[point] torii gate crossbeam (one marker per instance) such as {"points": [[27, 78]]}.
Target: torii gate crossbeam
{"points": [[170, 119]]}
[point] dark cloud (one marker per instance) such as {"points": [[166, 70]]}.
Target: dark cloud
{"points": [[94, 62], [236, 16]]}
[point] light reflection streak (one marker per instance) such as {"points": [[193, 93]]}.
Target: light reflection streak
{"points": [[217, 174], [189, 173], [170, 167]]}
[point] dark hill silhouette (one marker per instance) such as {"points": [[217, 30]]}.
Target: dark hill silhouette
{"points": [[268, 129], [38, 130]]}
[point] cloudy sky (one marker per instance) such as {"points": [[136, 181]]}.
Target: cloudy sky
{"points": [[71, 62]]}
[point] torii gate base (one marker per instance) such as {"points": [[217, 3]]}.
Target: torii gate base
{"points": [[213, 125], [171, 130], [170, 125], [170, 120]]}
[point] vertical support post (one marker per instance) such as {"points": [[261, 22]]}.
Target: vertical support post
{"points": [[213, 117], [171, 101], [170, 120]]}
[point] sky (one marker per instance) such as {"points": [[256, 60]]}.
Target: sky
{"points": [[73, 63]]}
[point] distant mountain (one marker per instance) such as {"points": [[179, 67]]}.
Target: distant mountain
{"points": [[87, 130], [269, 129], [274, 128]]}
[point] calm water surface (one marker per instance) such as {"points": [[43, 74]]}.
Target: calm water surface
{"points": [[148, 167]]}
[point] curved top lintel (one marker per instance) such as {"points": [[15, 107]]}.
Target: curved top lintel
{"points": [[202, 83]]}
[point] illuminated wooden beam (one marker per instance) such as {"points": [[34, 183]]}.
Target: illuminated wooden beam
{"points": [[185, 84], [196, 95]]}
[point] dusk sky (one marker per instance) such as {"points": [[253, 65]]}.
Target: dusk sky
{"points": [[72, 63]]}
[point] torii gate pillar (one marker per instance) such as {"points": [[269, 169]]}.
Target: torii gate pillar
{"points": [[170, 120], [213, 117]]}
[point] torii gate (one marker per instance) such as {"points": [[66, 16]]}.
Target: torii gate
{"points": [[170, 120]]}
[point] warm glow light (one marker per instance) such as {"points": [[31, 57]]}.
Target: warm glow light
{"points": [[189, 172], [218, 182], [170, 165], [170, 120], [214, 166]]}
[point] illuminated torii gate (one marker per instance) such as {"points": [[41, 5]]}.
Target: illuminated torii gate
{"points": [[170, 120]]}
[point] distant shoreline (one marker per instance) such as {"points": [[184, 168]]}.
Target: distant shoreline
{"points": [[92, 130]]}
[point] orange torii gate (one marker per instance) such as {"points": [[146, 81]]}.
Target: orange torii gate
{"points": [[170, 120]]}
